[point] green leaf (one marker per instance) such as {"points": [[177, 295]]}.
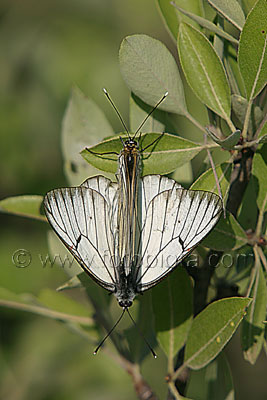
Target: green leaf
{"points": [[29, 303], [263, 131], [206, 181], [199, 60], [138, 112], [173, 307], [59, 302], [259, 173], [252, 326], [228, 143], [262, 139], [99, 297], [252, 52], [169, 16], [84, 124], [212, 329], [150, 70], [7, 295], [183, 174], [59, 254], [212, 382], [247, 5], [231, 10], [239, 107], [193, 7], [164, 156], [248, 220], [233, 72], [209, 25], [227, 235], [137, 346], [72, 283], [25, 206]]}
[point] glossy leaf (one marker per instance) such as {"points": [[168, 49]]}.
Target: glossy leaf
{"points": [[173, 307], [138, 348], [25, 206], [212, 382], [150, 70], [183, 174], [247, 5], [164, 156], [252, 326], [169, 16], [84, 124], [212, 329], [60, 255], [194, 7], [62, 303], [205, 23], [138, 112], [72, 283], [206, 181], [263, 131], [226, 235], [262, 139], [29, 303], [228, 143], [259, 174], [204, 70], [100, 298], [239, 107], [230, 10], [252, 55], [233, 72]]}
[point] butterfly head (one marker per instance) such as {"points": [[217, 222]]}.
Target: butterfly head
{"points": [[131, 144], [125, 303]]}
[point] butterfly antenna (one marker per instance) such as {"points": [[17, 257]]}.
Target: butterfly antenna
{"points": [[141, 334], [148, 115], [109, 333], [115, 108]]}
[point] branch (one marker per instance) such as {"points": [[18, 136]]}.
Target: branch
{"points": [[239, 180], [143, 390]]}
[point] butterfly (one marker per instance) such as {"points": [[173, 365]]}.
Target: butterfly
{"points": [[130, 234]]}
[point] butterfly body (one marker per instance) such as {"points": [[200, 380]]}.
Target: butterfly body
{"points": [[128, 186], [128, 235]]}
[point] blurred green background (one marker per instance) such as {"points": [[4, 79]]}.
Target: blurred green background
{"points": [[45, 48]]}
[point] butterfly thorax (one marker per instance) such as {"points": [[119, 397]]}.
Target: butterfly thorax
{"points": [[128, 180]]}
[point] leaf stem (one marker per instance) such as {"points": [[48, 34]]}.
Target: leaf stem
{"points": [[47, 312], [263, 258], [195, 122], [178, 372], [246, 121], [254, 270], [260, 218], [215, 175], [230, 123], [174, 390]]}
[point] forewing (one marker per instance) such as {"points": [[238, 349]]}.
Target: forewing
{"points": [[175, 221], [109, 190], [81, 218]]}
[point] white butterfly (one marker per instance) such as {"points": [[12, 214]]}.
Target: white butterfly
{"points": [[128, 235]]}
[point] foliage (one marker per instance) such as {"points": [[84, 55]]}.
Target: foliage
{"points": [[222, 54]]}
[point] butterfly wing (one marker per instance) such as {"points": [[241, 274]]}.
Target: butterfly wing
{"points": [[173, 223], [84, 218]]}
